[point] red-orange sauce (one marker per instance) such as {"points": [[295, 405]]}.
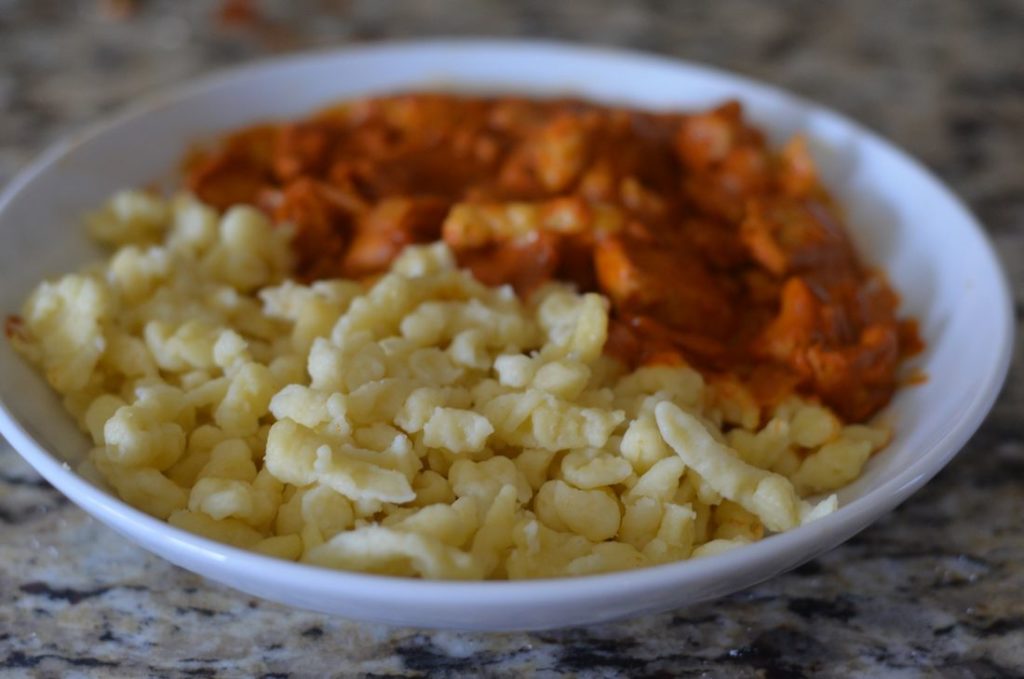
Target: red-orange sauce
{"points": [[714, 249], [14, 327]]}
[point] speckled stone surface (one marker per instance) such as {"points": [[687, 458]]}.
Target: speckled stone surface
{"points": [[936, 588]]}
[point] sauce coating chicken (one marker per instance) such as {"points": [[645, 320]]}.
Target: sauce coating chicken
{"points": [[714, 249]]}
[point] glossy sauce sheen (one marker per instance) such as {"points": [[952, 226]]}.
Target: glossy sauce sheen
{"points": [[714, 249]]}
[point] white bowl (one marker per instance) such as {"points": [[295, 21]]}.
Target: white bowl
{"points": [[901, 218]]}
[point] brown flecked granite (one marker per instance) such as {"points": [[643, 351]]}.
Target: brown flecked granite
{"points": [[935, 588]]}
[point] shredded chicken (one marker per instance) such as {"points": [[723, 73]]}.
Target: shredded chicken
{"points": [[714, 249]]}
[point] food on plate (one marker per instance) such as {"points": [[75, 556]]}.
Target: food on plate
{"points": [[467, 338], [714, 249], [424, 424]]}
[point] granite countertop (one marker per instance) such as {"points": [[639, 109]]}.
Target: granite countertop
{"points": [[937, 587]]}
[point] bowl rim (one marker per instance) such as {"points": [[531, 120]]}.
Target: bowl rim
{"points": [[816, 537]]}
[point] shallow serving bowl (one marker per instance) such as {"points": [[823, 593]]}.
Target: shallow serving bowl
{"points": [[901, 218]]}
